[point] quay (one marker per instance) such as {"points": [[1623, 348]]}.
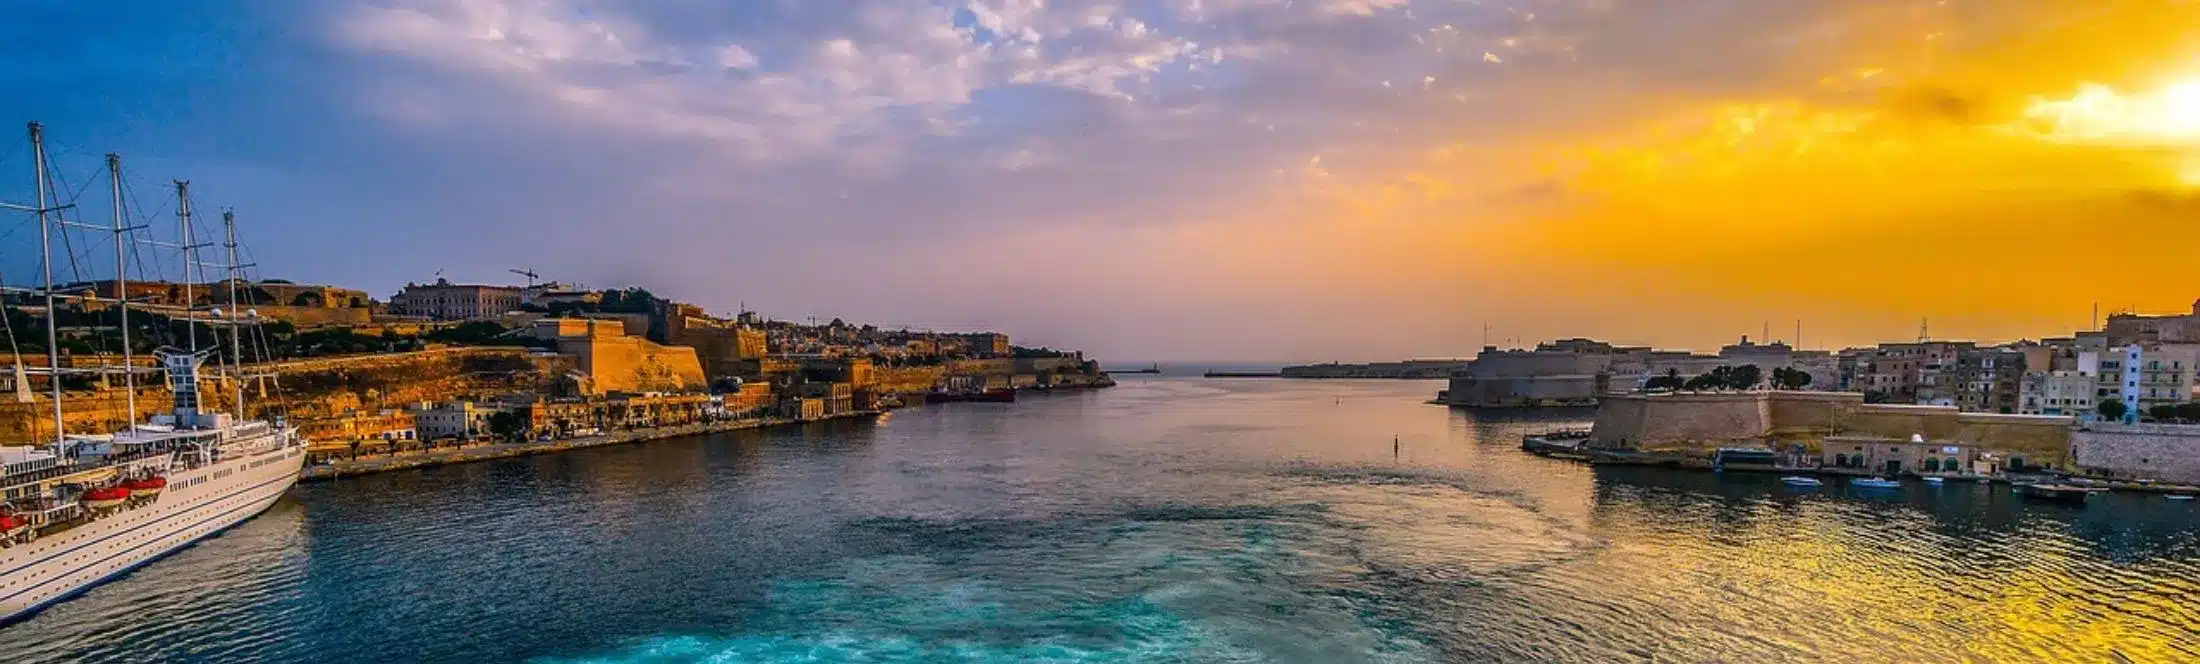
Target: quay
{"points": [[1569, 444], [329, 470], [1243, 374]]}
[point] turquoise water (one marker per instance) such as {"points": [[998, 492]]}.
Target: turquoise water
{"points": [[1167, 520]]}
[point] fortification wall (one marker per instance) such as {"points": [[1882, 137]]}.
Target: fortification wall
{"points": [[316, 388], [310, 317], [982, 367], [2036, 437], [1703, 421], [1663, 421], [908, 380], [2166, 452], [1808, 415], [634, 364]]}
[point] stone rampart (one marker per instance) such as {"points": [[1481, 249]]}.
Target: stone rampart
{"points": [[1662, 421], [633, 364], [1701, 421], [311, 317], [908, 380], [315, 388], [2165, 452]]}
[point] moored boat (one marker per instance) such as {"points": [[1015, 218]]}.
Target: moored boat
{"points": [[1875, 483], [2180, 496], [1799, 481], [80, 508], [1935, 479], [1560, 440], [2058, 493]]}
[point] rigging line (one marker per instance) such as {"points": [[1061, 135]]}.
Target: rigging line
{"points": [[135, 247], [58, 183], [130, 239], [12, 231], [88, 180], [15, 147]]}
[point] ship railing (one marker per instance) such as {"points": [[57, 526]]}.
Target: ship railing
{"points": [[17, 481]]}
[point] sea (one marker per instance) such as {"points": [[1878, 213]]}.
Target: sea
{"points": [[1168, 519]]}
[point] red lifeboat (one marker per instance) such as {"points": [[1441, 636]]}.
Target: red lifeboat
{"points": [[105, 497], [146, 488], [12, 525]]}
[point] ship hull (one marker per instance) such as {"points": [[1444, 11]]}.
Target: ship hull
{"points": [[196, 504]]}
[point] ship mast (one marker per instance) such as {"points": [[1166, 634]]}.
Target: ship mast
{"points": [[236, 345], [190, 253], [122, 287], [45, 248]]}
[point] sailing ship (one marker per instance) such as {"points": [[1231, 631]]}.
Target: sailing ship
{"points": [[80, 509]]}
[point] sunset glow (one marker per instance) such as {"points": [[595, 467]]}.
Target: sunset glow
{"points": [[2099, 114], [1189, 179]]}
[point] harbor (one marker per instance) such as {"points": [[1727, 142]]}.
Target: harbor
{"points": [[1284, 491], [778, 332]]}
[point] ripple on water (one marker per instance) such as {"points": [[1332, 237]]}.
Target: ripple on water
{"points": [[1186, 585]]}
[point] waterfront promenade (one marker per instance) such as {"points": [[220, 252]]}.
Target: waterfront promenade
{"points": [[337, 468]]}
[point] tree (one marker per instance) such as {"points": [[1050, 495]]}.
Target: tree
{"points": [[2173, 412], [507, 424], [2112, 409], [1744, 377], [1790, 379], [1708, 381], [1670, 381]]}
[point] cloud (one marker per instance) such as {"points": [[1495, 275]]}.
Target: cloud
{"points": [[890, 159]]}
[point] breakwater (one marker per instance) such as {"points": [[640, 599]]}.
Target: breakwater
{"points": [[1406, 370]]}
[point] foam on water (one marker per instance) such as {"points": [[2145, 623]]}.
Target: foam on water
{"points": [[1211, 606]]}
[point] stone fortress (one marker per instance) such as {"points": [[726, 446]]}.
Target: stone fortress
{"points": [[1697, 422]]}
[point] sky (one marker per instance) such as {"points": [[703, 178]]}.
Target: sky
{"points": [[1228, 180]]}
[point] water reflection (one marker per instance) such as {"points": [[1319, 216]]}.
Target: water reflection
{"points": [[1170, 519]]}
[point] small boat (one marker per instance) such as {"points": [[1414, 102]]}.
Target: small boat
{"points": [[1875, 483], [1935, 480], [105, 497], [2180, 496], [10, 526], [146, 488], [2060, 493], [1800, 481]]}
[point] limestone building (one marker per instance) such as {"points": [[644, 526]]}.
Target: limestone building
{"points": [[444, 300]]}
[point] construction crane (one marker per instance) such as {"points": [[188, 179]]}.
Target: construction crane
{"points": [[529, 273]]}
